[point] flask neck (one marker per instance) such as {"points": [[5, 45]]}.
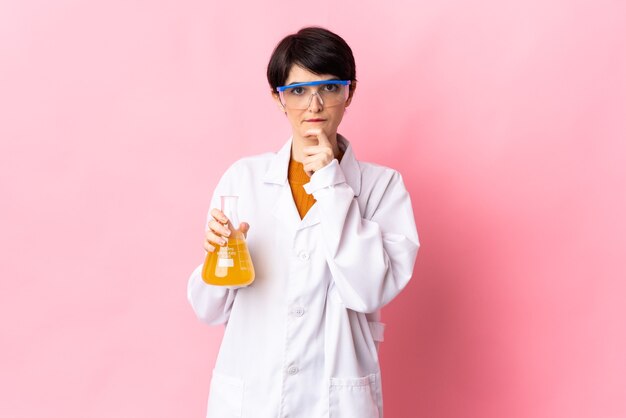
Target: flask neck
{"points": [[229, 208]]}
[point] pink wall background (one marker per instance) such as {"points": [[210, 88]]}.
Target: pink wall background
{"points": [[507, 120]]}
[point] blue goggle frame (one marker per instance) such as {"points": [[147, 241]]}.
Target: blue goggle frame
{"points": [[314, 83]]}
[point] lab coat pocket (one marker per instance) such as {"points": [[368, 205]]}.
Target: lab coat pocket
{"points": [[355, 398], [225, 396]]}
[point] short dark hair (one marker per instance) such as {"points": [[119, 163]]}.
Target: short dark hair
{"points": [[315, 49]]}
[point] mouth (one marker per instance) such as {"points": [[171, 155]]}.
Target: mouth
{"points": [[315, 120]]}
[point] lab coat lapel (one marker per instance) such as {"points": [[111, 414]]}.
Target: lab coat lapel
{"points": [[311, 218], [284, 209], [350, 166]]}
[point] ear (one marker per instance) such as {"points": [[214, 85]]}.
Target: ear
{"points": [[351, 93], [276, 98]]}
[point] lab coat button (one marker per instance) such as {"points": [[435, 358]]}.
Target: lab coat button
{"points": [[303, 255], [292, 370], [297, 311]]}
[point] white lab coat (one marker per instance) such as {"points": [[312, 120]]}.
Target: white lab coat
{"points": [[302, 340]]}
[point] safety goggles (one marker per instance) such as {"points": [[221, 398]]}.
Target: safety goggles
{"points": [[329, 93]]}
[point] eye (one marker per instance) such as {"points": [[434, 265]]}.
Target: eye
{"points": [[296, 91], [331, 88]]}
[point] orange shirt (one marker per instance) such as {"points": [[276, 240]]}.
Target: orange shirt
{"points": [[297, 179]]}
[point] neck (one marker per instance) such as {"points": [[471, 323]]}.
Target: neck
{"points": [[299, 143]]}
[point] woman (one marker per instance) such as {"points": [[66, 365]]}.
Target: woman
{"points": [[332, 240]]}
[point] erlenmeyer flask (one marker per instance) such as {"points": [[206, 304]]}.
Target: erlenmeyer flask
{"points": [[231, 264]]}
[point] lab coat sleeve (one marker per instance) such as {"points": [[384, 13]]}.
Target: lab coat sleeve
{"points": [[212, 304], [370, 260]]}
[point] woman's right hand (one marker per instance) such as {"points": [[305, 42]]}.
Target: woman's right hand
{"points": [[219, 230]]}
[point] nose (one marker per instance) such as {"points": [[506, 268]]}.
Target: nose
{"points": [[315, 105]]}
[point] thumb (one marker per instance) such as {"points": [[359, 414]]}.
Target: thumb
{"points": [[244, 227], [323, 140]]}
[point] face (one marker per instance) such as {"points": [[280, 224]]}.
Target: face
{"points": [[316, 115]]}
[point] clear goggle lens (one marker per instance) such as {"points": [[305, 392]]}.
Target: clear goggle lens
{"points": [[328, 92]]}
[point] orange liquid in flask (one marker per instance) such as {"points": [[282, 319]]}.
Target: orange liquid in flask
{"points": [[230, 265]]}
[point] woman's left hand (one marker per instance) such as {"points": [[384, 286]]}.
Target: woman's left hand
{"points": [[317, 156]]}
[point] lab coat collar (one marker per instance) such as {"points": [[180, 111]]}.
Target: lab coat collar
{"points": [[277, 171]]}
